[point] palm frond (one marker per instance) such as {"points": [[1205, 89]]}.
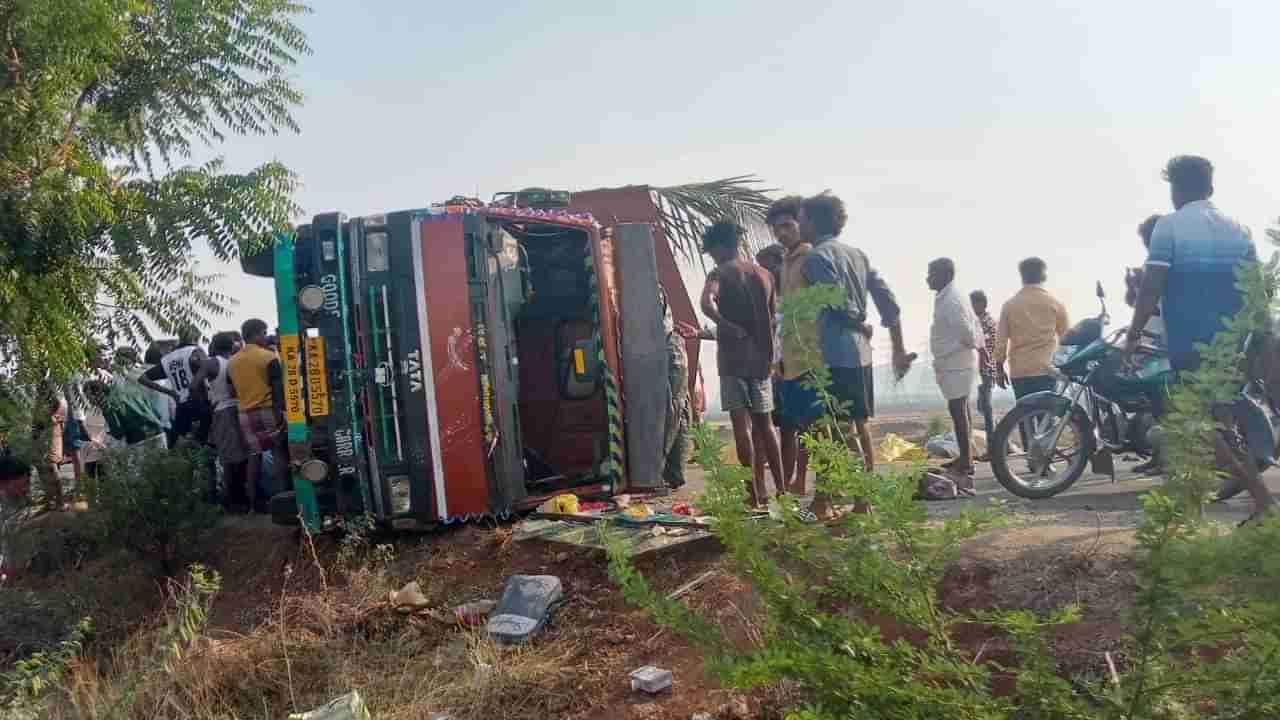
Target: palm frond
{"points": [[685, 211]]}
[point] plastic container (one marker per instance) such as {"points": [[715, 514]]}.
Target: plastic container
{"points": [[651, 679]]}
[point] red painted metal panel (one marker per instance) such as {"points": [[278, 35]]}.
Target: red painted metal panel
{"points": [[456, 384]]}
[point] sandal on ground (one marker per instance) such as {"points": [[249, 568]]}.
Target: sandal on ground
{"points": [[1258, 517]]}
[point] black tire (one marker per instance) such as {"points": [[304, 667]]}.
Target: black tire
{"points": [[284, 509], [1008, 427]]}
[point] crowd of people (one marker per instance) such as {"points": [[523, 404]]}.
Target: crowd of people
{"points": [[229, 398], [1182, 297], [226, 399]]}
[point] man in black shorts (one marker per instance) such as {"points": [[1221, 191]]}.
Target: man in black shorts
{"points": [[845, 349]]}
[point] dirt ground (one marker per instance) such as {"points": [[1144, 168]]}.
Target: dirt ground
{"points": [[1074, 548]]}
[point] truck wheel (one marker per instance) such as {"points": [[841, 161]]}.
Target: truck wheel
{"points": [[284, 509]]}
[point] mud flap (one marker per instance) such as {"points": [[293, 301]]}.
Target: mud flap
{"points": [[645, 377]]}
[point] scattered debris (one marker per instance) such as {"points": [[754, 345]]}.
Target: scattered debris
{"points": [[474, 612], [943, 446], [692, 585], [701, 716], [526, 604], [894, 448], [936, 485], [348, 707], [638, 511], [651, 679], [736, 709], [565, 503], [409, 598]]}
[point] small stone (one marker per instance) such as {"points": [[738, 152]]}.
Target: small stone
{"points": [[736, 709], [410, 596], [651, 679], [701, 716]]}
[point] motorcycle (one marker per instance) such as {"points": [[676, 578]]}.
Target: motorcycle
{"points": [[1102, 406]]}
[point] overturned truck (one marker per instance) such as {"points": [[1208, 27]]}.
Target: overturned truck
{"points": [[472, 360]]}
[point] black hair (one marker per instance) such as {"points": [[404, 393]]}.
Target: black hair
{"points": [[771, 251], [222, 343], [155, 353], [1032, 270], [188, 334], [826, 213], [252, 328], [790, 206], [724, 234], [1147, 227], [1191, 174], [12, 467], [978, 296]]}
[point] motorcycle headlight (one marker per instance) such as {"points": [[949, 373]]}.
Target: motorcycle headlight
{"points": [[1064, 353]]}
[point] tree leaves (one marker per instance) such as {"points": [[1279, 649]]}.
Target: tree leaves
{"points": [[98, 226]]}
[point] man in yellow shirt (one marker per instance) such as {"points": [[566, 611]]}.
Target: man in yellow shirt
{"points": [[1031, 323], [257, 381]]}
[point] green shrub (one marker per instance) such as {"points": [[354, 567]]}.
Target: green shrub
{"points": [[153, 501]]}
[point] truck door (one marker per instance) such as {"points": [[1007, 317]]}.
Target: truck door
{"points": [[645, 377]]}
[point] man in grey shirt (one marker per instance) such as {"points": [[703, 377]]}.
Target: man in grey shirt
{"points": [[846, 350]]}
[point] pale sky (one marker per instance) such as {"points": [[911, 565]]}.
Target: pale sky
{"points": [[986, 131]]}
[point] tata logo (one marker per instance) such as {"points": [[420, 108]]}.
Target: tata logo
{"points": [[413, 370]]}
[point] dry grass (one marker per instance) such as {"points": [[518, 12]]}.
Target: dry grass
{"points": [[318, 645]]}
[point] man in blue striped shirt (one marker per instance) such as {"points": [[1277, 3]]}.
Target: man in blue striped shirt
{"points": [[1191, 270]]}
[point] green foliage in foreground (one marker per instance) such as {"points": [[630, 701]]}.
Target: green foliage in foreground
{"points": [[154, 502], [41, 680], [1206, 621]]}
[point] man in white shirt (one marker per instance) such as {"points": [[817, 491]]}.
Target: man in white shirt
{"points": [[954, 339]]}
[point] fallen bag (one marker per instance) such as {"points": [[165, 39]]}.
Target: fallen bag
{"points": [[526, 605], [938, 485]]}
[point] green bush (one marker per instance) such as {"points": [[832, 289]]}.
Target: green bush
{"points": [[152, 501]]}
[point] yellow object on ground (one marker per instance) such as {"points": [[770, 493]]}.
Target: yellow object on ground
{"points": [[566, 504], [894, 448], [638, 511]]}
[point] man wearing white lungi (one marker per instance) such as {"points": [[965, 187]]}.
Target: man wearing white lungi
{"points": [[954, 338]]}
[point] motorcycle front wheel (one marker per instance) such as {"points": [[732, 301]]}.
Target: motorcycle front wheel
{"points": [[1040, 472]]}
